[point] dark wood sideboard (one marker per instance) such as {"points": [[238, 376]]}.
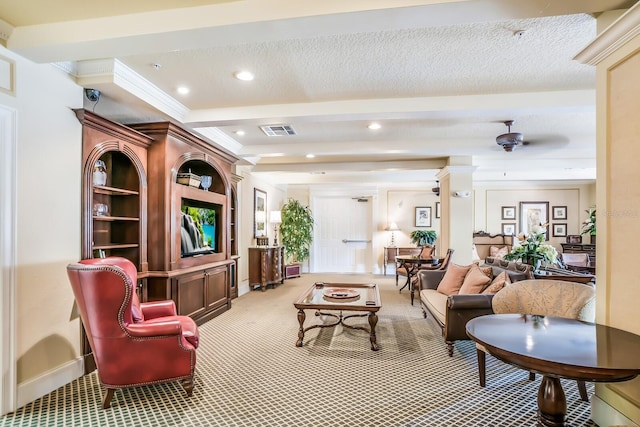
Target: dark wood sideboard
{"points": [[579, 248], [266, 266]]}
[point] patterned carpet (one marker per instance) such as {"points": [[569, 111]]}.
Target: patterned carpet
{"points": [[250, 373]]}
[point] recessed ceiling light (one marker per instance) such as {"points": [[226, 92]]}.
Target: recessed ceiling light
{"points": [[244, 76], [183, 90], [240, 132], [310, 156], [374, 126]]}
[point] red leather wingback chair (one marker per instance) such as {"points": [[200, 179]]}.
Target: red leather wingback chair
{"points": [[133, 343]]}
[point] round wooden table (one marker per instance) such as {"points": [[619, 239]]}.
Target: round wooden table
{"points": [[558, 348], [412, 264]]}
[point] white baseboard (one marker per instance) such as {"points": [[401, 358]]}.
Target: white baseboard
{"points": [[35, 388], [243, 288], [605, 415]]}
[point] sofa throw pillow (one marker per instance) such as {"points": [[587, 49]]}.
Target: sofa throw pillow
{"points": [[452, 279], [496, 252], [475, 281], [488, 271], [498, 283]]}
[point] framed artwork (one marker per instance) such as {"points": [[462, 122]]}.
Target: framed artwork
{"points": [[423, 216], [559, 230], [532, 216], [509, 228], [437, 209], [559, 212], [508, 212], [259, 213]]}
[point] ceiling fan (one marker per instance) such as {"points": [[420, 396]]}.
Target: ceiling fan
{"points": [[508, 141]]}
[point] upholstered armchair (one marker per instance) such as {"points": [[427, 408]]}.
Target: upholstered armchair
{"points": [[543, 297], [133, 343]]}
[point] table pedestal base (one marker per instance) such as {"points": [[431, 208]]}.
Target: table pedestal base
{"points": [[552, 403]]}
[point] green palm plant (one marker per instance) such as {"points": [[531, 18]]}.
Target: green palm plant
{"points": [[296, 230], [423, 237]]}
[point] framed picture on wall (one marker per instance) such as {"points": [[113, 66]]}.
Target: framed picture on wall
{"points": [[437, 209], [423, 216], [559, 212], [532, 216], [559, 230], [509, 228], [259, 213], [508, 212]]}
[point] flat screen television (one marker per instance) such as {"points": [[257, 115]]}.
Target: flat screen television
{"points": [[199, 228]]}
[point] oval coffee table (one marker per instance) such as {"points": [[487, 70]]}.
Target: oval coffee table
{"points": [[558, 348]]}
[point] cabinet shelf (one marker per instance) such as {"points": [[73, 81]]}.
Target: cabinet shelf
{"points": [[114, 218], [112, 191], [116, 246]]}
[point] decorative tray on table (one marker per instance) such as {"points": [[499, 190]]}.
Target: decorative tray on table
{"points": [[340, 293]]}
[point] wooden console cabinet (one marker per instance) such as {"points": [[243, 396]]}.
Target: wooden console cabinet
{"points": [[579, 248], [266, 266]]}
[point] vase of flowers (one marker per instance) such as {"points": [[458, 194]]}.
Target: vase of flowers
{"points": [[589, 225], [530, 249]]}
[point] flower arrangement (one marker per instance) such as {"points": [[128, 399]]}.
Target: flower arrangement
{"points": [[530, 248], [589, 224]]}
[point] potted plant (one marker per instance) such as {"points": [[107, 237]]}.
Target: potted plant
{"points": [[423, 237], [589, 225], [296, 230], [530, 250]]}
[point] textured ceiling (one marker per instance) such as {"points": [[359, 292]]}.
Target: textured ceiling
{"points": [[439, 76]]}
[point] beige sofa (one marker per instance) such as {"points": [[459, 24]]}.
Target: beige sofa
{"points": [[452, 312]]}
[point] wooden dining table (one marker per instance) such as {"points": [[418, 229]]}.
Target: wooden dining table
{"points": [[558, 348], [412, 264]]}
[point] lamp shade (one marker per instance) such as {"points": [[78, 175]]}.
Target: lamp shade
{"points": [[393, 227], [275, 217]]}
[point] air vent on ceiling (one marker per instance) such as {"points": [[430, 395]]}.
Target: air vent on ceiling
{"points": [[278, 130]]}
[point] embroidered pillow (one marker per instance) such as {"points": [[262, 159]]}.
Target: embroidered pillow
{"points": [[452, 279], [499, 253], [475, 281], [498, 283]]}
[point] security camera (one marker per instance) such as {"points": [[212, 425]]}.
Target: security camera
{"points": [[462, 193], [92, 95]]}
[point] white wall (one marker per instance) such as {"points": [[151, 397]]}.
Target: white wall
{"points": [[276, 197], [490, 198], [48, 219]]}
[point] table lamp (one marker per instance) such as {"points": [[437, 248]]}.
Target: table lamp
{"points": [[275, 218], [392, 228]]}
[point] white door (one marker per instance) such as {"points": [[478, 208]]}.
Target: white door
{"points": [[342, 235]]}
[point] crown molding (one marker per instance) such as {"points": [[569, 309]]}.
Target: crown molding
{"points": [[612, 38], [113, 71]]}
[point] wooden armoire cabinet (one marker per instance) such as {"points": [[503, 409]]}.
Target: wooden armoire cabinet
{"points": [[144, 208], [199, 282]]}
